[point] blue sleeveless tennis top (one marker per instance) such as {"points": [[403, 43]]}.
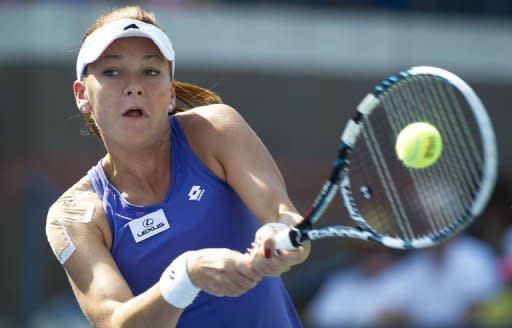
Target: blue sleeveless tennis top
{"points": [[199, 211]]}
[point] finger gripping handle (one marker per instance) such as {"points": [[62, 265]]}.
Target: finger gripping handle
{"points": [[286, 239]]}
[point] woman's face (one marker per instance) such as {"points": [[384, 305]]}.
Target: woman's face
{"points": [[129, 90]]}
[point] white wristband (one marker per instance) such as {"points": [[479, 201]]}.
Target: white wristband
{"points": [[277, 226], [175, 285]]}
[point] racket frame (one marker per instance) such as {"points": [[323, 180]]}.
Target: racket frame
{"points": [[295, 236]]}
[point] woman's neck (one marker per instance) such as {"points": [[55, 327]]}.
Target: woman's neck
{"points": [[142, 176]]}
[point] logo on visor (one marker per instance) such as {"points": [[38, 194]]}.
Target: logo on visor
{"points": [[130, 26]]}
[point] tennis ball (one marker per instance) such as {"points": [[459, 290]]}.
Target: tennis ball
{"points": [[419, 145]]}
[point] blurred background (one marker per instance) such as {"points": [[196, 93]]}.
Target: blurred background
{"points": [[295, 69]]}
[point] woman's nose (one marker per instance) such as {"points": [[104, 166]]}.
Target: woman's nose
{"points": [[129, 92], [133, 87]]}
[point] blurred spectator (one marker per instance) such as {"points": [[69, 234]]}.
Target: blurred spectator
{"points": [[436, 287], [359, 296], [447, 282], [497, 312]]}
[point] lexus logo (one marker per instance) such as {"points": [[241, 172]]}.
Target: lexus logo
{"points": [[148, 222]]}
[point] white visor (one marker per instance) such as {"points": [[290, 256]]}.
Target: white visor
{"points": [[99, 40]]}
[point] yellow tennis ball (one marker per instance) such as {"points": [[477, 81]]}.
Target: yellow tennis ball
{"points": [[419, 145]]}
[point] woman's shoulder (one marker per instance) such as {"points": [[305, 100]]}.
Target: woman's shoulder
{"points": [[209, 116], [79, 197], [209, 127], [78, 209], [208, 130]]}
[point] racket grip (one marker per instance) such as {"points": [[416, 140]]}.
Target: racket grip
{"points": [[283, 239]]}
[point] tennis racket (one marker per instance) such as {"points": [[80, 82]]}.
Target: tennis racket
{"points": [[394, 205]]}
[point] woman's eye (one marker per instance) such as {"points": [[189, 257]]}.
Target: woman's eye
{"points": [[152, 72], [110, 72]]}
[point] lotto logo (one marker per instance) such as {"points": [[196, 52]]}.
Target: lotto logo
{"points": [[195, 193]]}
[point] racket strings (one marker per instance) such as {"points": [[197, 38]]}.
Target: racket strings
{"points": [[430, 108], [389, 186], [456, 129], [444, 109], [438, 213], [459, 162], [426, 201], [464, 162], [402, 102], [473, 150], [397, 120], [440, 106]]}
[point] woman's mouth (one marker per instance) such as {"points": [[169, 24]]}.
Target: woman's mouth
{"points": [[134, 112]]}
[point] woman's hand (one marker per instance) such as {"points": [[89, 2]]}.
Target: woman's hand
{"points": [[222, 272], [267, 261]]}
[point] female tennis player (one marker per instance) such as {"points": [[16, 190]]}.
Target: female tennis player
{"points": [[174, 225]]}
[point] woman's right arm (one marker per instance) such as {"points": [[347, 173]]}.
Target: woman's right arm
{"points": [[79, 235], [75, 229]]}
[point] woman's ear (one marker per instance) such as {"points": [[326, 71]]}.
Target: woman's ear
{"points": [[172, 104], [82, 102]]}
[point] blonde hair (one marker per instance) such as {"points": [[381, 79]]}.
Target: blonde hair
{"points": [[188, 95]]}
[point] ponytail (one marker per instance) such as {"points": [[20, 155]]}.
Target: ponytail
{"points": [[191, 95]]}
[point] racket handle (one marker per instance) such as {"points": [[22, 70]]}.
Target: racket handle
{"points": [[284, 240]]}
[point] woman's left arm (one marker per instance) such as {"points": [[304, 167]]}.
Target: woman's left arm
{"points": [[252, 172]]}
